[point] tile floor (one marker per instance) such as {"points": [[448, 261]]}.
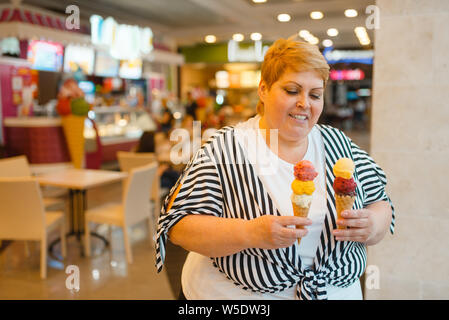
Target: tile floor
{"points": [[104, 275]]}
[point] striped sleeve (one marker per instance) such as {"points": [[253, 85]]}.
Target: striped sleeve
{"points": [[372, 179], [198, 191]]}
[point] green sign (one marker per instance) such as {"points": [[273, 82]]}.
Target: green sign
{"points": [[225, 52]]}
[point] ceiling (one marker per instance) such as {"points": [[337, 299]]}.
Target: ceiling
{"points": [[188, 21]]}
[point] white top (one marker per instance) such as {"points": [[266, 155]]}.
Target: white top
{"points": [[201, 280]]}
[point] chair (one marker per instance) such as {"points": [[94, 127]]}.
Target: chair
{"points": [[131, 160], [19, 167], [134, 208], [27, 220]]}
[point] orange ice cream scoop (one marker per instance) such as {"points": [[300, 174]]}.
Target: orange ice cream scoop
{"points": [[344, 168], [303, 187], [304, 171]]}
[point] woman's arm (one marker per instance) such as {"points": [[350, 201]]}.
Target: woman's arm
{"points": [[368, 225], [217, 237]]}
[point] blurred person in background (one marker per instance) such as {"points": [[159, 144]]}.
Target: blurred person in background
{"points": [[166, 121], [359, 114], [191, 105]]}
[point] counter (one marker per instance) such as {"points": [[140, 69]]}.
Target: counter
{"points": [[40, 139]]}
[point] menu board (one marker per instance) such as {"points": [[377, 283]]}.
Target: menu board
{"points": [[45, 55], [79, 57], [105, 65], [130, 69]]}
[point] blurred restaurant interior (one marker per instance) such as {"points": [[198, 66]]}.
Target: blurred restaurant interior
{"points": [[83, 84]]}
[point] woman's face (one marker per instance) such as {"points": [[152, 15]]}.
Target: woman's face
{"points": [[293, 104]]}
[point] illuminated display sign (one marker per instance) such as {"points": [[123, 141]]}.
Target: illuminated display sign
{"points": [[254, 52], [125, 42], [355, 74], [45, 55], [79, 57], [130, 69], [348, 56]]}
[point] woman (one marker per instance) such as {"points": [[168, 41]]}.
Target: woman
{"points": [[231, 207]]}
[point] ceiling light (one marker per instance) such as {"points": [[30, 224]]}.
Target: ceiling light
{"points": [[284, 17], [327, 43], [365, 42], [362, 35], [360, 31], [309, 37], [332, 32], [238, 37], [303, 33], [256, 36], [259, 1], [314, 40], [316, 15], [210, 38], [351, 13]]}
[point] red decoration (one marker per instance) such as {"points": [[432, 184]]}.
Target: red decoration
{"points": [[64, 106]]}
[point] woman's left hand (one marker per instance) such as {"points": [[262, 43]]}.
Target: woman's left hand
{"points": [[361, 223]]}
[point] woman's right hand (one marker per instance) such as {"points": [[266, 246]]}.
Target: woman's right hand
{"points": [[273, 232]]}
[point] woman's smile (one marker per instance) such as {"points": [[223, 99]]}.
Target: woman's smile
{"points": [[299, 118]]}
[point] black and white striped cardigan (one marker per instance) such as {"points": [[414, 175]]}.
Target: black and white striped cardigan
{"points": [[220, 181]]}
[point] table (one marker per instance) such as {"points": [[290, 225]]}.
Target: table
{"points": [[78, 181]]}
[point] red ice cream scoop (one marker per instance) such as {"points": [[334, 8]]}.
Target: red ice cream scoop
{"points": [[304, 171], [344, 186]]}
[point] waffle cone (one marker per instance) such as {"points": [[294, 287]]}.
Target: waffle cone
{"points": [[342, 203], [300, 212], [73, 127]]}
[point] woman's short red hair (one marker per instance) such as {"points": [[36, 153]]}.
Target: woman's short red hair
{"points": [[296, 56]]}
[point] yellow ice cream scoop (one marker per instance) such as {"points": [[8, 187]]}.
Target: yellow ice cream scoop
{"points": [[344, 168], [303, 187]]}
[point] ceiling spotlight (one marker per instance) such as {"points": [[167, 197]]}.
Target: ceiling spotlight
{"points": [[360, 31], [284, 17], [351, 13], [314, 40], [259, 1], [362, 35], [303, 33], [210, 38], [365, 42], [332, 32], [238, 37], [316, 15], [256, 36], [309, 37], [327, 43]]}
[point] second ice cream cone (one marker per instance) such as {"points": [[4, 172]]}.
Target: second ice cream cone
{"points": [[342, 203]]}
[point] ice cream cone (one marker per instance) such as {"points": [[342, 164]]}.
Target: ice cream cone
{"points": [[343, 202], [299, 211], [74, 134]]}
